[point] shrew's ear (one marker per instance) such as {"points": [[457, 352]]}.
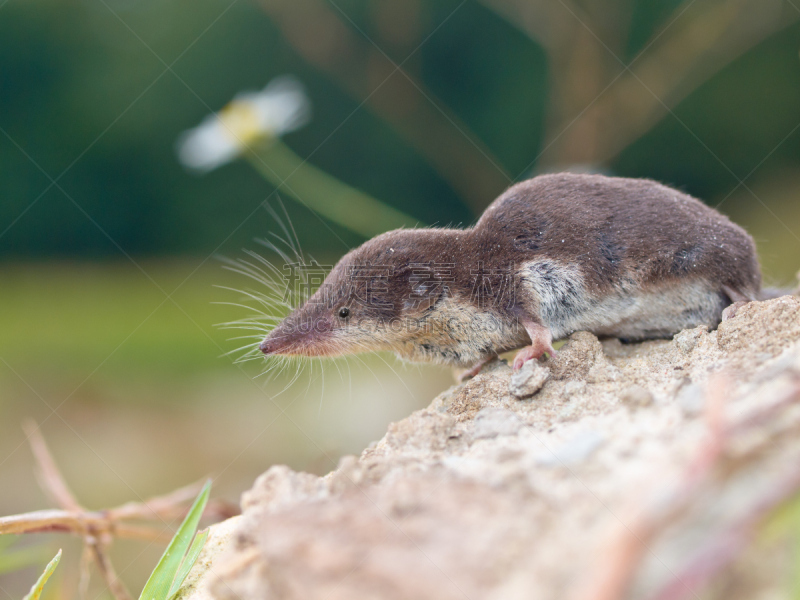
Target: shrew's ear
{"points": [[423, 288]]}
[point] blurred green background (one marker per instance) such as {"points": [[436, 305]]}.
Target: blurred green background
{"points": [[109, 248]]}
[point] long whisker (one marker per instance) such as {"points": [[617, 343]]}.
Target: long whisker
{"points": [[269, 303], [299, 251], [291, 239], [272, 287]]}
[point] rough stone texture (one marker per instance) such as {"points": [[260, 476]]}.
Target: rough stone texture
{"points": [[528, 380], [636, 471]]}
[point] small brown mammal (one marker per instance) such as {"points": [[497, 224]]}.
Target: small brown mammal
{"points": [[627, 258]]}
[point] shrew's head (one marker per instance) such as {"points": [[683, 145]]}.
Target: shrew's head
{"points": [[373, 299]]}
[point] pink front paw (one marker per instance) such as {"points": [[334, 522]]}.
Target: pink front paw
{"points": [[524, 355], [531, 353]]}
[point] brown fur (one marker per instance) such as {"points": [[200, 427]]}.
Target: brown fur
{"points": [[594, 237]]}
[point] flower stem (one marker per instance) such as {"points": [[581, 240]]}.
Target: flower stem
{"points": [[324, 194]]}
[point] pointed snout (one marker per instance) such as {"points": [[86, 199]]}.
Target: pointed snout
{"points": [[287, 339], [297, 336], [270, 346], [276, 342], [291, 340]]}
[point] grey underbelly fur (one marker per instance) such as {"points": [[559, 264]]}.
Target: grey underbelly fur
{"points": [[626, 311]]}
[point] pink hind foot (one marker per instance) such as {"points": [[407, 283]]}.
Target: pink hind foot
{"points": [[541, 344], [475, 369]]}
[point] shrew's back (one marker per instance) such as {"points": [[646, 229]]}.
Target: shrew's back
{"points": [[615, 229]]}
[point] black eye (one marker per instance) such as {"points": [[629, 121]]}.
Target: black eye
{"points": [[344, 312]]}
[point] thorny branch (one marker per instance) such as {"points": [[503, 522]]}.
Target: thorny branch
{"points": [[99, 528]]}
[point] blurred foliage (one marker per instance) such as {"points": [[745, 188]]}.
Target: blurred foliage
{"points": [[13, 560], [99, 90], [783, 523], [112, 316], [432, 106]]}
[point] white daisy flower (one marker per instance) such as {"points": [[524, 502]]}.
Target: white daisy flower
{"points": [[250, 117]]}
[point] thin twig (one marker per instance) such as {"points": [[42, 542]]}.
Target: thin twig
{"points": [[85, 574], [158, 506], [76, 518], [115, 585], [174, 505], [99, 528], [42, 520], [57, 520], [50, 477]]}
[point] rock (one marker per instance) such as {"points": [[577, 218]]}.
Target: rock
{"points": [[528, 380], [636, 396], [484, 496], [574, 388], [576, 357], [280, 486], [692, 399], [491, 422], [573, 452], [687, 339], [750, 331]]}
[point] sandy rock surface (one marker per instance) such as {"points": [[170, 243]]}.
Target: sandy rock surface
{"points": [[635, 471]]}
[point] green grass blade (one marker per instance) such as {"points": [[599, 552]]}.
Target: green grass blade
{"points": [[188, 561], [37, 588], [160, 583]]}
